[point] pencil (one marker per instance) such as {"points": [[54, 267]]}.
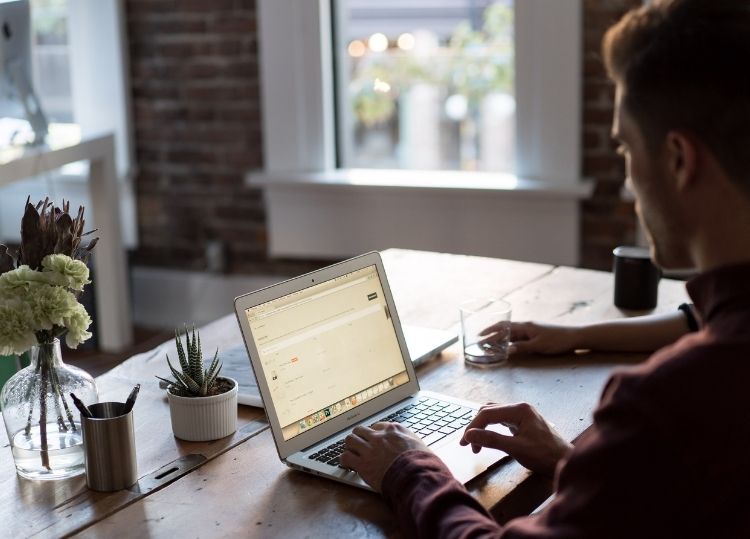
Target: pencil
{"points": [[131, 399], [85, 412]]}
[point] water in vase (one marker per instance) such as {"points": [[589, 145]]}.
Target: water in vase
{"points": [[64, 454]]}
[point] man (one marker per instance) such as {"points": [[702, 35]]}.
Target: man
{"points": [[667, 455]]}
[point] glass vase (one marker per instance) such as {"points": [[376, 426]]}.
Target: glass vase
{"points": [[43, 425]]}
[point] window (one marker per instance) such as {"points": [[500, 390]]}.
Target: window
{"points": [[318, 205], [39, 46], [50, 59], [81, 41], [425, 85], [298, 87], [78, 53]]}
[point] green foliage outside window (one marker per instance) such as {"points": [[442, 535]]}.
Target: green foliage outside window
{"points": [[473, 63]]}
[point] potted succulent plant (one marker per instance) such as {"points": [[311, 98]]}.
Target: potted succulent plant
{"points": [[202, 404]]}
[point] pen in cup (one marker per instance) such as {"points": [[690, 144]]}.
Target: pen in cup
{"points": [[85, 412], [131, 399]]}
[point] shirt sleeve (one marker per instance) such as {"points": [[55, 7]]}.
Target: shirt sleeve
{"points": [[429, 502]]}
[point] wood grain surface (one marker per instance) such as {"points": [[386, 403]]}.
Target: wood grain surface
{"points": [[56, 508]]}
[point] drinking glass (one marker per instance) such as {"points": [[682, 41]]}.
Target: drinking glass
{"points": [[485, 331]]}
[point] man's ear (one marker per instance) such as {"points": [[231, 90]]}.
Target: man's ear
{"points": [[681, 159]]}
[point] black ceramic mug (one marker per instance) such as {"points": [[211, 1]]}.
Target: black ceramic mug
{"points": [[636, 278]]}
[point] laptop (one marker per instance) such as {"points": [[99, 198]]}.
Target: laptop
{"points": [[329, 354], [426, 343]]}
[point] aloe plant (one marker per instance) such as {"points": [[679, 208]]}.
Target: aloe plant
{"points": [[192, 380]]}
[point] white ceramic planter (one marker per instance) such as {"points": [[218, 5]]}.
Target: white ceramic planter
{"points": [[200, 419]]}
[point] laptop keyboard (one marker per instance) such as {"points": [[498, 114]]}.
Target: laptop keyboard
{"points": [[430, 419]]}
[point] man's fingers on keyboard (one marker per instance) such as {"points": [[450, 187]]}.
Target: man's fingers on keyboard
{"points": [[363, 432], [349, 460], [480, 421], [356, 444]]}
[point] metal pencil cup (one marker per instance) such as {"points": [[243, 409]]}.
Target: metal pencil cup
{"points": [[109, 447]]}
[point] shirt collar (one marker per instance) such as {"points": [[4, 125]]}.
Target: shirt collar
{"points": [[718, 289]]}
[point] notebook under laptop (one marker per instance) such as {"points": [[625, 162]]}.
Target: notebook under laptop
{"points": [[329, 353]]}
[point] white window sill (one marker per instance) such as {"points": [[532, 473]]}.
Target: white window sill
{"points": [[341, 213], [454, 182]]}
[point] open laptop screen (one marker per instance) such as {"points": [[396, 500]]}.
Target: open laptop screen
{"points": [[327, 349]]}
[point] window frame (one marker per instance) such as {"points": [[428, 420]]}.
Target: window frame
{"points": [[299, 116], [297, 82]]}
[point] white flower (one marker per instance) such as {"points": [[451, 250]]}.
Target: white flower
{"points": [[75, 272], [16, 327], [29, 305], [50, 305], [23, 278], [77, 324]]}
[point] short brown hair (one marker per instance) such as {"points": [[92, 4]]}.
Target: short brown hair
{"points": [[685, 64]]}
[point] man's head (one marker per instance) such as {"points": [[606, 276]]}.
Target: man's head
{"points": [[683, 108]]}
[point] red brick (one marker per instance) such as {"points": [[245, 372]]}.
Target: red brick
{"points": [[242, 24], [594, 138], [606, 220]]}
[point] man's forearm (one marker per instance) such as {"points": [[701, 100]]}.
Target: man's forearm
{"points": [[637, 334]]}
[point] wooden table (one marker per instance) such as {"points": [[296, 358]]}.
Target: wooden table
{"points": [[238, 486]]}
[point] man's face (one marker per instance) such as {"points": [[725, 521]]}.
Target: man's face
{"points": [[657, 203]]}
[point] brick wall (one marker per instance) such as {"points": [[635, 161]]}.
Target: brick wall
{"points": [[194, 73], [197, 129], [606, 220]]}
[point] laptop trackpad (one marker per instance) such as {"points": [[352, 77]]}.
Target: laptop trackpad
{"points": [[463, 463]]}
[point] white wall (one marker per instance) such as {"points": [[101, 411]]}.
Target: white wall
{"points": [[167, 299]]}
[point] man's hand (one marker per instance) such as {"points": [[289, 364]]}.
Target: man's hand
{"points": [[371, 451], [534, 443], [534, 338]]}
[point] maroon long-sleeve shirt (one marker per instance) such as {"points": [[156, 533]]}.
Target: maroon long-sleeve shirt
{"points": [[668, 454]]}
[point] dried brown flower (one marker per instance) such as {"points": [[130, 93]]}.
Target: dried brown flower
{"points": [[45, 230]]}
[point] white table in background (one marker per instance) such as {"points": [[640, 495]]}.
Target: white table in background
{"points": [[113, 313]]}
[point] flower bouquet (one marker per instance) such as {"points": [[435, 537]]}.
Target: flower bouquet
{"points": [[39, 290]]}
